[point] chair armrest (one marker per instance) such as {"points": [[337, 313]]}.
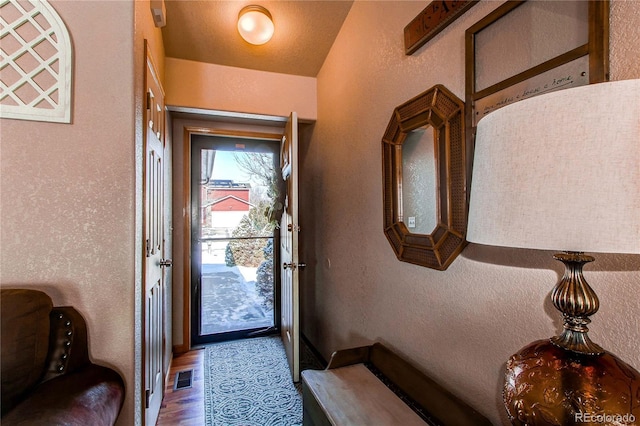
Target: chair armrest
{"points": [[91, 396], [68, 347]]}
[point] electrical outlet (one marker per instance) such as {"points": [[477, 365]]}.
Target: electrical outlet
{"points": [[411, 222]]}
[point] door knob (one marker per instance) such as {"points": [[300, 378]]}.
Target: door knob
{"points": [[166, 262], [293, 266]]}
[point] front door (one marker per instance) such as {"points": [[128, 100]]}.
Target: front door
{"points": [[154, 230], [290, 264], [232, 241]]}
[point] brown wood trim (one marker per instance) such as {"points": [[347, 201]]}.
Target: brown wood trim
{"points": [[598, 41], [470, 72], [441, 19], [349, 356], [552, 63], [179, 349], [243, 134], [186, 248], [597, 48], [496, 14]]}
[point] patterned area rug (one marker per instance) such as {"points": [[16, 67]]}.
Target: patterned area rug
{"points": [[247, 382]]}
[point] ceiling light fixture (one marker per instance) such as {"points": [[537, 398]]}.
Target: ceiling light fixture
{"points": [[255, 24]]}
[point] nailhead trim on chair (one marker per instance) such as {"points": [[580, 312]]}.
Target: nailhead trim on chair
{"points": [[67, 343]]}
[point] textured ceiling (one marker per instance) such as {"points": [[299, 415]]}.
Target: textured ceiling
{"points": [[205, 31]]}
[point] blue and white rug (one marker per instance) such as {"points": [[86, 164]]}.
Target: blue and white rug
{"points": [[247, 382]]}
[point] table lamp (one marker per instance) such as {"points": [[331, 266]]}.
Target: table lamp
{"points": [[561, 171]]}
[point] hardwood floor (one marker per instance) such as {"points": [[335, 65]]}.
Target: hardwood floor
{"points": [[184, 406]]}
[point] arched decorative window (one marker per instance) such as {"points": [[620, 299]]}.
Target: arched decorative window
{"points": [[35, 66]]}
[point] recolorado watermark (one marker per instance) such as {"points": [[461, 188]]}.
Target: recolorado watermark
{"points": [[625, 419]]}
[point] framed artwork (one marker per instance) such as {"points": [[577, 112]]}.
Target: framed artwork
{"points": [[433, 19], [37, 63], [527, 48]]}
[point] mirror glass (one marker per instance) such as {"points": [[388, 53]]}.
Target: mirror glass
{"points": [[419, 181]]}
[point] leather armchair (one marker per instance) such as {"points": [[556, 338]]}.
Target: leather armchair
{"points": [[47, 376]]}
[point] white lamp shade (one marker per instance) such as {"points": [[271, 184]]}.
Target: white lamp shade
{"points": [[560, 171], [255, 25]]}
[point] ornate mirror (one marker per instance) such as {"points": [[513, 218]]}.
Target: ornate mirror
{"points": [[425, 179]]}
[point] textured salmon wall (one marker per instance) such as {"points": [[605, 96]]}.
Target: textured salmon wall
{"points": [[624, 46], [218, 87], [68, 190], [461, 325]]}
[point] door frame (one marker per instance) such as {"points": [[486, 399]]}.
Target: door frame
{"points": [[186, 206]]}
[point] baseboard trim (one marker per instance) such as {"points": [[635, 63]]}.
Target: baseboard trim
{"points": [[180, 349], [314, 350]]}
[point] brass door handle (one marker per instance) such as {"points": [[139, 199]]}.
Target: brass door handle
{"points": [[293, 266]]}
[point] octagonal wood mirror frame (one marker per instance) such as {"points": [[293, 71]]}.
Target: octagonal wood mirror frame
{"points": [[444, 111]]}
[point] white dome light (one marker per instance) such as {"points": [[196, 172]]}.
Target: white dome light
{"points": [[255, 24]]}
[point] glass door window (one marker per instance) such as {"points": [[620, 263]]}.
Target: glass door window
{"points": [[233, 189]]}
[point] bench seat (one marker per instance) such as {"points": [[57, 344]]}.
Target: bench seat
{"points": [[371, 385], [352, 395]]}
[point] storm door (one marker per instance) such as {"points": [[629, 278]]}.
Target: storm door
{"points": [[234, 193]]}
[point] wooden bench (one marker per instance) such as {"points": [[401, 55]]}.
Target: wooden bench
{"points": [[371, 385]]}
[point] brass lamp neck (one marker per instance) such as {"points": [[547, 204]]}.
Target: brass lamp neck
{"points": [[577, 301]]}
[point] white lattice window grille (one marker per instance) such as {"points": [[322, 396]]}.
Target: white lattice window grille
{"points": [[35, 66]]}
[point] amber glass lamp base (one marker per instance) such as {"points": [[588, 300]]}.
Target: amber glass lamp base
{"points": [[569, 380], [548, 385]]}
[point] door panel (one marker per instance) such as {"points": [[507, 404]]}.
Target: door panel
{"points": [[154, 280], [290, 264]]}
